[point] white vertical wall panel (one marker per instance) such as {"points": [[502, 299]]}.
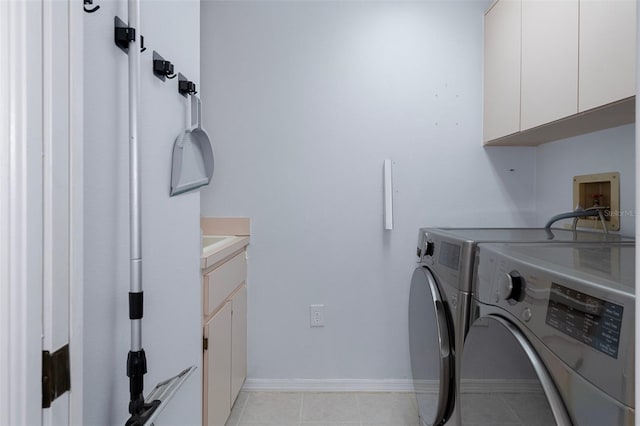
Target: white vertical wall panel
{"points": [[607, 51], [388, 195], [549, 61]]}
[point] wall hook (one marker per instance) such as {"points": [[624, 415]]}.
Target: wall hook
{"points": [[185, 86], [123, 35], [95, 9], [162, 68]]}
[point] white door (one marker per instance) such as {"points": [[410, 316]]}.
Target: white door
{"points": [[40, 206], [62, 176]]}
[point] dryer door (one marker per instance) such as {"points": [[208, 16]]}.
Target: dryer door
{"points": [[503, 379], [430, 348]]}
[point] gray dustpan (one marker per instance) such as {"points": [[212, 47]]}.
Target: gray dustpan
{"points": [[192, 162]]}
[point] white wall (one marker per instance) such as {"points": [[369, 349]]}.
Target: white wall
{"points": [[304, 101], [171, 240], [611, 150]]}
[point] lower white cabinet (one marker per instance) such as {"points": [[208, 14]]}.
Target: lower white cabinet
{"points": [[224, 339], [238, 341], [217, 367]]}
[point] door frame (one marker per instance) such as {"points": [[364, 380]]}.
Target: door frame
{"points": [[21, 209], [76, 126]]}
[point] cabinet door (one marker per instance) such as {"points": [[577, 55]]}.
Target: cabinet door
{"points": [[607, 52], [238, 341], [217, 364], [502, 36], [549, 61]]}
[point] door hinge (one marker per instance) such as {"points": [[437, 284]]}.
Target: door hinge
{"points": [[205, 344], [56, 375]]}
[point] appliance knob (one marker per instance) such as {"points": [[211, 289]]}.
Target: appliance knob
{"points": [[511, 286], [430, 248]]}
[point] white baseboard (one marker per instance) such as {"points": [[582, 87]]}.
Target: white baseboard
{"points": [[386, 385]]}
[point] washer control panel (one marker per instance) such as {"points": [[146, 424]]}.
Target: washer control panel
{"points": [[586, 318]]}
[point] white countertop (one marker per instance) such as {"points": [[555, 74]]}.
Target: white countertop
{"points": [[216, 248]]}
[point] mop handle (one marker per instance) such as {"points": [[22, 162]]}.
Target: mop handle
{"points": [[136, 359]]}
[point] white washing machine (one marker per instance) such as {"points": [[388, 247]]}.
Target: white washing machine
{"points": [[552, 336], [440, 307]]}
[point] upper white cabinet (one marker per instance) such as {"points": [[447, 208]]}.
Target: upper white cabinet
{"points": [[549, 74], [502, 69], [607, 51], [557, 68]]}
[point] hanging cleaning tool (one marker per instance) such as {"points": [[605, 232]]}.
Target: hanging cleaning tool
{"points": [[142, 411], [192, 161]]}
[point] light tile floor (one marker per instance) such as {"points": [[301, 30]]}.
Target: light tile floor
{"points": [[380, 409], [324, 409], [506, 409]]}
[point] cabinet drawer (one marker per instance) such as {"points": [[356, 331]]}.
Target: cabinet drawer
{"points": [[220, 283]]}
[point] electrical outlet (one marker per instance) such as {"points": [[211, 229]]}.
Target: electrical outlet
{"points": [[316, 315]]}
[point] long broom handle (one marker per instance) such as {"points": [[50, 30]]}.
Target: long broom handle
{"points": [[136, 359], [135, 229]]}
